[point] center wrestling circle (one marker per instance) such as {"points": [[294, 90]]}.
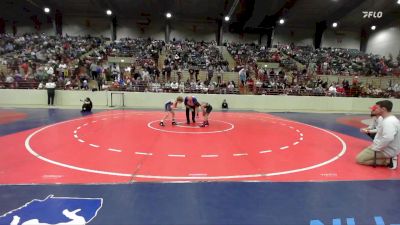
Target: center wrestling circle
{"points": [[194, 160]]}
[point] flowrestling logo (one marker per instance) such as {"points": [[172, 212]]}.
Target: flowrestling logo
{"points": [[372, 14]]}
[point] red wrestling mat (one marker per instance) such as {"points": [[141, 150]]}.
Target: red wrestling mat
{"points": [[10, 117], [126, 146], [353, 121]]}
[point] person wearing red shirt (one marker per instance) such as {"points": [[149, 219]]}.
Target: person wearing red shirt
{"points": [[25, 68], [340, 90]]}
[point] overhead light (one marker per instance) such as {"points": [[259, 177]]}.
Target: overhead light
{"points": [[373, 27], [227, 18], [334, 25], [46, 10], [108, 12], [281, 21], [168, 15], [398, 2]]}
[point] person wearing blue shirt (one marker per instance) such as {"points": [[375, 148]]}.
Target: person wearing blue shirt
{"points": [[170, 106]]}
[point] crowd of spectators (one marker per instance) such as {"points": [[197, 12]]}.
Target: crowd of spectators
{"points": [[291, 79], [29, 61], [32, 58], [252, 53], [145, 51], [289, 85], [200, 55], [342, 61], [294, 82]]}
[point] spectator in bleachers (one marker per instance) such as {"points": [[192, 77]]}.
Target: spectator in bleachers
{"points": [[145, 75], [211, 87], [196, 71], [41, 85], [174, 86], [230, 87], [167, 86], [17, 76], [100, 82], [340, 90], [10, 81], [193, 85], [222, 87], [156, 87], [168, 70], [242, 76], [179, 74], [332, 90], [115, 71], [204, 88], [210, 72], [182, 87], [199, 86], [220, 75], [191, 71], [2, 77], [85, 85], [250, 84], [63, 69]]}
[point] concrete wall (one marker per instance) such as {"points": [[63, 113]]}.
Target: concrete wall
{"points": [[304, 37], [196, 31], [81, 26], [28, 27], [101, 26], [38, 98], [341, 39], [385, 41], [131, 28], [285, 35], [240, 38]]}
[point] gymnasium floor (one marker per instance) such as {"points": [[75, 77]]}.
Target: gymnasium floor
{"points": [[121, 167]]}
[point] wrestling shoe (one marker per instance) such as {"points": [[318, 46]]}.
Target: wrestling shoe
{"points": [[162, 124], [204, 124]]}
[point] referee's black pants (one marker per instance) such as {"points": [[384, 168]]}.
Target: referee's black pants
{"points": [[193, 114]]}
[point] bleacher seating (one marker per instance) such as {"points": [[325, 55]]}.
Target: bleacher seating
{"points": [[30, 59]]}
